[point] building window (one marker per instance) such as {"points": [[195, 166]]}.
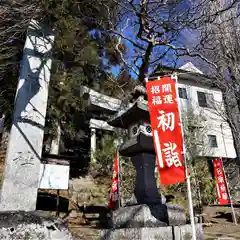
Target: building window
{"points": [[202, 99], [182, 93], [205, 99], [212, 141]]}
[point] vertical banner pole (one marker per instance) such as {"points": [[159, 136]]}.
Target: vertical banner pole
{"points": [[190, 202], [229, 195], [186, 176]]}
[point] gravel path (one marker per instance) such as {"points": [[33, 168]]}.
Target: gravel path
{"points": [[222, 232]]}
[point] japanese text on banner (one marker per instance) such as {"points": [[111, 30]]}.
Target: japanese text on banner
{"points": [[221, 185], [167, 133]]}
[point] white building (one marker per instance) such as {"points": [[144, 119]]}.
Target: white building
{"points": [[204, 102], [213, 137]]}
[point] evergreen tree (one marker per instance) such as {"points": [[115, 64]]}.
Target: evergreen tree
{"points": [[83, 52]]}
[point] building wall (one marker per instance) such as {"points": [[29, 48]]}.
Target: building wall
{"points": [[211, 120]]}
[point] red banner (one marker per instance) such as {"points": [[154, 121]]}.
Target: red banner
{"points": [[166, 128], [114, 198], [221, 185]]}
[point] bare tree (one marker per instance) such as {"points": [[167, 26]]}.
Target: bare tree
{"points": [[150, 31], [218, 41], [14, 20]]}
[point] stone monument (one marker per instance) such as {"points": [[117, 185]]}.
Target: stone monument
{"points": [[22, 164], [146, 215], [18, 218]]}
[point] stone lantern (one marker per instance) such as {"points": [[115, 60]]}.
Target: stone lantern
{"points": [[146, 215], [139, 147]]}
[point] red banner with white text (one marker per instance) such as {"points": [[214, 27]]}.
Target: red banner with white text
{"points": [[114, 193], [221, 184], [166, 129]]}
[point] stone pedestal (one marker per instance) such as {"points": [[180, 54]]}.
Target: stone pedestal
{"points": [[183, 232], [148, 215]]}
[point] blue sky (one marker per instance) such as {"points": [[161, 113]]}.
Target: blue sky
{"points": [[189, 38], [186, 38], [130, 30]]}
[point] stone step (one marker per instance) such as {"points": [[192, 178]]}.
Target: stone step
{"points": [[183, 232]]}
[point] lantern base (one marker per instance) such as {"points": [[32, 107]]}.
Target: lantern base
{"points": [[165, 233], [149, 215]]}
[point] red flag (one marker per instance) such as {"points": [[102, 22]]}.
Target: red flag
{"points": [[114, 198], [166, 128], [221, 184]]}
